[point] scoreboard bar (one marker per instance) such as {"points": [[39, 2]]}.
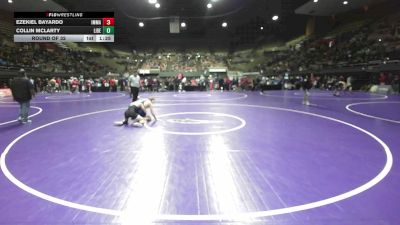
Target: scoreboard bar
{"points": [[62, 22], [59, 30], [63, 38], [64, 26], [63, 15]]}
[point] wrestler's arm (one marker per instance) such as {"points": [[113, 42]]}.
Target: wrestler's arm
{"points": [[152, 111]]}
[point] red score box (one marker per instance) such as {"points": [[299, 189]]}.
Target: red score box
{"points": [[108, 21]]}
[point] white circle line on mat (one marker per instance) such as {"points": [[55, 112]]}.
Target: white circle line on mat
{"points": [[13, 121], [157, 98], [246, 216], [379, 96], [348, 107], [72, 100], [241, 125]]}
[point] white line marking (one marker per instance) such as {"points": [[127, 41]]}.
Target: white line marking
{"points": [[248, 216], [197, 182], [12, 121], [242, 124], [191, 95], [74, 100], [381, 96], [158, 99], [70, 96], [193, 121], [348, 107]]}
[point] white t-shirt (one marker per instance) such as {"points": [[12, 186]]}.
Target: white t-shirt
{"points": [[134, 81]]}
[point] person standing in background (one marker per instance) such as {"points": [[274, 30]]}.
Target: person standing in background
{"points": [[307, 84], [396, 84], [134, 84], [23, 91], [382, 79], [349, 83], [339, 86]]}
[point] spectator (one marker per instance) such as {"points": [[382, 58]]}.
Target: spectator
{"points": [[23, 91]]}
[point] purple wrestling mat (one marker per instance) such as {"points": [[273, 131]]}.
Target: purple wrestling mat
{"points": [[210, 158]]}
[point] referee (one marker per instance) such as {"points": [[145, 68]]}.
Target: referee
{"points": [[134, 84]]}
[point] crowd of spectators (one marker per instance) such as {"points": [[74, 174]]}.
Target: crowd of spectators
{"points": [[147, 84], [76, 84], [49, 58], [183, 61], [371, 44]]}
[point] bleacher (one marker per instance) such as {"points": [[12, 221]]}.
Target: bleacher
{"points": [[6, 28]]}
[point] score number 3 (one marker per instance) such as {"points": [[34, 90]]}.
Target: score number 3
{"points": [[108, 21]]}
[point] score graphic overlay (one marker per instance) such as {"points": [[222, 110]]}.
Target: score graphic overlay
{"points": [[64, 26]]}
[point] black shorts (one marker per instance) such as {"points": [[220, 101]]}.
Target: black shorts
{"points": [[131, 113], [140, 111]]}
